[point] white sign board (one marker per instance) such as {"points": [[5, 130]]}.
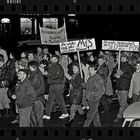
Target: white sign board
{"points": [[79, 45], [120, 45], [53, 36]]}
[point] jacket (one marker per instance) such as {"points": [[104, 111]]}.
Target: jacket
{"points": [[76, 92], [123, 83], [37, 81], [103, 71], [55, 74], [94, 87], [25, 94], [4, 77], [135, 85]]}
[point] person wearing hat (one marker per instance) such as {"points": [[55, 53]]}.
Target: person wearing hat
{"points": [[103, 71], [4, 84], [123, 79], [37, 80], [25, 96], [55, 75], [76, 93]]}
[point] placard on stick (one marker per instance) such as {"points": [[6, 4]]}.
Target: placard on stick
{"points": [[77, 46], [130, 46]]}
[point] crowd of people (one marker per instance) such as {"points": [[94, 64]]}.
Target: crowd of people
{"points": [[39, 81]]}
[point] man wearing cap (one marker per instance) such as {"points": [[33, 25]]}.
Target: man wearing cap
{"points": [[4, 84], [37, 80], [55, 76], [25, 95], [103, 71], [123, 79]]}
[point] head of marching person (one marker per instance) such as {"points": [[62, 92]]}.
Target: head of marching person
{"points": [[124, 58], [23, 54], [30, 56], [138, 67], [75, 68], [22, 74], [45, 50], [1, 62], [75, 57], [46, 57], [33, 65], [55, 59], [101, 60], [39, 50], [92, 69]]}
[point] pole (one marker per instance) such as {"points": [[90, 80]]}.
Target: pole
{"points": [[119, 59], [80, 64]]}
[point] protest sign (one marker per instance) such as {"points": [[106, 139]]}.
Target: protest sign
{"points": [[53, 36], [79, 45], [120, 45], [76, 46]]}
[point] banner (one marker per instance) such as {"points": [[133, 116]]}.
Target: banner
{"points": [[120, 45], [53, 36], [79, 45]]}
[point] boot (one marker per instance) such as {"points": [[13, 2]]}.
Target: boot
{"points": [[68, 124], [83, 118], [1, 112], [7, 112]]}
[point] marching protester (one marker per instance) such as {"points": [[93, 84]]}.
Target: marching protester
{"points": [[103, 71], [123, 77], [4, 54], [94, 91], [4, 84], [39, 53], [76, 93], [37, 81], [55, 75], [25, 96], [134, 90]]}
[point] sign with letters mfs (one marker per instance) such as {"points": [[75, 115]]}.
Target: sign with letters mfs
{"points": [[78, 45], [120, 45]]}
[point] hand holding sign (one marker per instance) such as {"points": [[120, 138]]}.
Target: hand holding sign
{"points": [[68, 76]]}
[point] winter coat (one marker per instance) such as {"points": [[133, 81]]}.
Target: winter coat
{"points": [[103, 71], [37, 81], [55, 74], [76, 92], [4, 77], [25, 94], [94, 87], [123, 83]]}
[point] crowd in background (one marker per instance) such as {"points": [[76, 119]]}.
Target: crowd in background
{"points": [[40, 80]]}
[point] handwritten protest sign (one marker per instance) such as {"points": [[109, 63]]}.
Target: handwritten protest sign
{"points": [[53, 36], [79, 45], [120, 45]]}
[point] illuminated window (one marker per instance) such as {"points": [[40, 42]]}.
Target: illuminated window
{"points": [[26, 26], [50, 23]]}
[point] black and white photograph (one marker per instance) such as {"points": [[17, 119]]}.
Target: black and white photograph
{"points": [[69, 69]]}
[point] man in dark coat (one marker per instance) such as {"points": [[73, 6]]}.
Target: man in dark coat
{"points": [[76, 93], [25, 95], [94, 91], [55, 75], [37, 81], [4, 84], [103, 71], [123, 76]]}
